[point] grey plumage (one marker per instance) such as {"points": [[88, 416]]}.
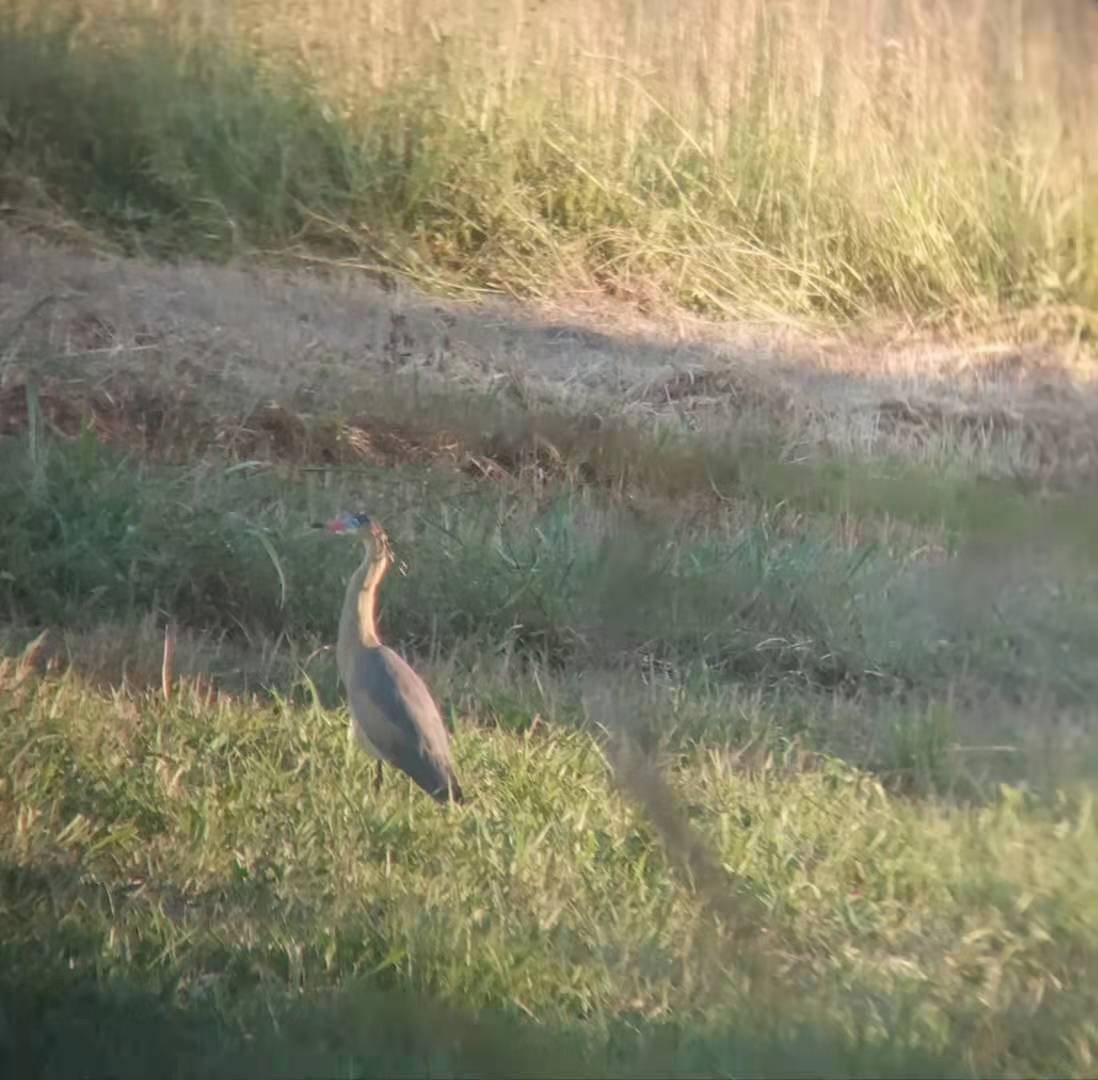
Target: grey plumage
{"points": [[395, 717], [392, 712]]}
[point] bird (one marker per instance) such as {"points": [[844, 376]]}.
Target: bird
{"points": [[393, 715]]}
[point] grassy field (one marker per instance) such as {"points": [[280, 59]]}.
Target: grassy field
{"points": [[778, 721], [767, 645], [824, 159]]}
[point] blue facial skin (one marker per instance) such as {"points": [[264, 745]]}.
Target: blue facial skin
{"points": [[345, 521]]}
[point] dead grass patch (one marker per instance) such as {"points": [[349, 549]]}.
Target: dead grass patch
{"points": [[266, 362]]}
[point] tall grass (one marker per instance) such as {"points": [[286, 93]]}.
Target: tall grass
{"points": [[816, 157], [91, 534]]}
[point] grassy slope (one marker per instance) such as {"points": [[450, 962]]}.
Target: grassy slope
{"points": [[815, 631], [190, 857], [735, 690], [218, 868], [746, 158]]}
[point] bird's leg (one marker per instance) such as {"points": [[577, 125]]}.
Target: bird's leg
{"points": [[377, 778]]}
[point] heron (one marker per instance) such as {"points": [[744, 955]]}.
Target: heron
{"points": [[393, 715]]}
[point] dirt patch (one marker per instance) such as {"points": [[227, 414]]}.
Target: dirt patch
{"points": [[936, 416], [532, 450], [240, 338], [177, 427], [121, 413], [273, 432], [66, 410]]}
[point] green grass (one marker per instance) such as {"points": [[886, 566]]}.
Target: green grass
{"points": [[227, 869], [746, 174], [93, 534], [780, 740], [747, 799]]}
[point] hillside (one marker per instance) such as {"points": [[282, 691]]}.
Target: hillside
{"points": [[759, 591]]}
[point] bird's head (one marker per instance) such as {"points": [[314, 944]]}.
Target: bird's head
{"points": [[358, 524], [347, 521]]}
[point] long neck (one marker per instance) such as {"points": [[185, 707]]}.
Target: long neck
{"points": [[358, 622]]}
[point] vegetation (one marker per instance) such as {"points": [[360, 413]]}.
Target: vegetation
{"points": [[826, 160], [762, 767], [772, 683], [215, 885]]}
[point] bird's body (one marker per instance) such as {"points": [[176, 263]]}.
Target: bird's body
{"points": [[393, 715]]}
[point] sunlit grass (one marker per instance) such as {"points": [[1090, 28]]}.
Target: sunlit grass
{"points": [[236, 854], [821, 728], [776, 717], [825, 161]]}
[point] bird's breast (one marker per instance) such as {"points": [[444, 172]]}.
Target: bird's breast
{"points": [[358, 731]]}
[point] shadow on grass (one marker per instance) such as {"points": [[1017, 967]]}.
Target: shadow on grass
{"points": [[57, 1024]]}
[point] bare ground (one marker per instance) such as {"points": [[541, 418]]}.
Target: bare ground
{"points": [[261, 341]]}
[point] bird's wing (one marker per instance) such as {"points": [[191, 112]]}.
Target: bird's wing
{"points": [[401, 718]]}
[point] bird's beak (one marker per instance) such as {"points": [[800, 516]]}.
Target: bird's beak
{"points": [[335, 525]]}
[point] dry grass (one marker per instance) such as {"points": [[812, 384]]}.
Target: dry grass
{"points": [[407, 376], [826, 158]]}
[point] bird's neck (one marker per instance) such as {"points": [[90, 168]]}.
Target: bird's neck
{"points": [[359, 619]]}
